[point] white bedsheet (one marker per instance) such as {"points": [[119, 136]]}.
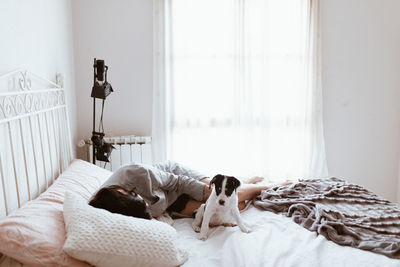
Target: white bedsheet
{"points": [[274, 241]]}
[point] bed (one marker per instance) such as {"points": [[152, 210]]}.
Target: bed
{"points": [[36, 169]]}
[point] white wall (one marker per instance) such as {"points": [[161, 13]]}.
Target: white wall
{"points": [[361, 86], [37, 35], [121, 33]]}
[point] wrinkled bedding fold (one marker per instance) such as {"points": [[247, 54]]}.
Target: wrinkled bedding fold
{"points": [[345, 213]]}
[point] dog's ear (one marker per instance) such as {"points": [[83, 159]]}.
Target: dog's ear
{"points": [[215, 179], [236, 182]]}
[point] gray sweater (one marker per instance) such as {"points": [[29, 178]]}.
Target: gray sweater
{"points": [[159, 184]]}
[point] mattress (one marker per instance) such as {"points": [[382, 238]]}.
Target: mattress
{"points": [[274, 241]]}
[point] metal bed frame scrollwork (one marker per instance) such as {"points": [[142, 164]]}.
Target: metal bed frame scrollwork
{"points": [[35, 143]]}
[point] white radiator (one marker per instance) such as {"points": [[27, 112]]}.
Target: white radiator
{"points": [[127, 149]]}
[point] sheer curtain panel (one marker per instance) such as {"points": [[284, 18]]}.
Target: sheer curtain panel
{"points": [[237, 87]]}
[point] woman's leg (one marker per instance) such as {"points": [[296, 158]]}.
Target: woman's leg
{"points": [[247, 191], [190, 207], [249, 188]]}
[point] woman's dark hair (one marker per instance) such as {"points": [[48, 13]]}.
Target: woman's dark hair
{"points": [[130, 204]]}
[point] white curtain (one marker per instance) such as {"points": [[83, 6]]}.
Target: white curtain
{"points": [[238, 87]]}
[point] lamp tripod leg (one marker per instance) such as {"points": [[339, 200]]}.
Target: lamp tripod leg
{"points": [[94, 129]]}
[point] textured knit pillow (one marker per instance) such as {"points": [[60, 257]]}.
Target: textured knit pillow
{"points": [[107, 239]]}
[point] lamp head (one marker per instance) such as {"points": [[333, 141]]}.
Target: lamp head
{"points": [[101, 88]]}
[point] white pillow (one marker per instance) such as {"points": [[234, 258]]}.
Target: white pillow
{"points": [[103, 238]]}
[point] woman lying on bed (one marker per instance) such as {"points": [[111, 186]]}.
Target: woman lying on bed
{"points": [[147, 191]]}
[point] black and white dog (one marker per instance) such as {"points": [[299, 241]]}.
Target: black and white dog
{"points": [[221, 207]]}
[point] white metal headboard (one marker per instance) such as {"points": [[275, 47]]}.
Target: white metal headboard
{"points": [[35, 144]]}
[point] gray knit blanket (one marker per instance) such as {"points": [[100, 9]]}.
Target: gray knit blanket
{"points": [[345, 213]]}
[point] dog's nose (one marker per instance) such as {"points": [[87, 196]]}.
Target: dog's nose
{"points": [[222, 202]]}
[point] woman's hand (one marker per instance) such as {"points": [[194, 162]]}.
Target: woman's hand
{"points": [[207, 192]]}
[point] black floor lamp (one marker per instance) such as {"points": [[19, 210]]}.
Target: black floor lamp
{"points": [[101, 89]]}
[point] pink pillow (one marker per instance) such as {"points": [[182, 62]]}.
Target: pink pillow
{"points": [[35, 233]]}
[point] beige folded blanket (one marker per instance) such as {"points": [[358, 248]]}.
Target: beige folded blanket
{"points": [[345, 213]]}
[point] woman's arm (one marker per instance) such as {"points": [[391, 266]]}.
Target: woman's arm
{"points": [[179, 169], [182, 184]]}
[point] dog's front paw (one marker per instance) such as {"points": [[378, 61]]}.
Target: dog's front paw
{"points": [[203, 237], [245, 229], [196, 227]]}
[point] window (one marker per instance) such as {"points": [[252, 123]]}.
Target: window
{"points": [[243, 92]]}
